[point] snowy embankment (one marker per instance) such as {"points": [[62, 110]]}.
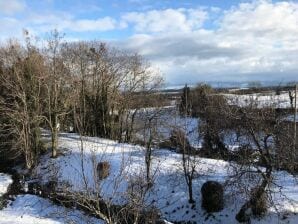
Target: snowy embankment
{"points": [[75, 169], [31, 209], [5, 181]]}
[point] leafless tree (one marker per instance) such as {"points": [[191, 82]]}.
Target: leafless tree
{"points": [[263, 131], [57, 87], [20, 100]]}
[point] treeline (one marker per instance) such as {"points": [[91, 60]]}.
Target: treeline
{"points": [[88, 87]]}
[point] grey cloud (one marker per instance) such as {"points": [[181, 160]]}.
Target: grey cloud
{"points": [[179, 46]]}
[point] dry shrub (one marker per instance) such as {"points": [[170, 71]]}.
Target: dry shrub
{"points": [[103, 170], [166, 144], [258, 203], [179, 141]]}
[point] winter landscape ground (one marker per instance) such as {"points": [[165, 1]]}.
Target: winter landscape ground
{"points": [[148, 112], [75, 168]]}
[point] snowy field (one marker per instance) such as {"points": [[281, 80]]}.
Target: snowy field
{"points": [[260, 100], [169, 193], [167, 119]]}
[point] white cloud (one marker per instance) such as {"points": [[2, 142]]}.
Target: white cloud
{"points": [[39, 24], [10, 7], [101, 24], [256, 40], [66, 22], [168, 20]]}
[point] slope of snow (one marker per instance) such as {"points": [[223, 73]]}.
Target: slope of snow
{"points": [[5, 181], [169, 193], [30, 209]]}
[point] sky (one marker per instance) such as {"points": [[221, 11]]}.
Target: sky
{"points": [[188, 41]]}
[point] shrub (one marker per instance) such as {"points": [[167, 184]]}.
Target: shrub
{"points": [[212, 196], [257, 206], [2, 203], [179, 140], [103, 170], [150, 216], [258, 202], [166, 144]]}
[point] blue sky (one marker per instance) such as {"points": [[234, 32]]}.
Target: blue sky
{"points": [[186, 40]]}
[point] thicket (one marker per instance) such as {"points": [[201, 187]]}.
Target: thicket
{"points": [[262, 137], [86, 87]]}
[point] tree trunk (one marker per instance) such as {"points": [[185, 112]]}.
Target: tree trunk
{"points": [[55, 137], [190, 194]]}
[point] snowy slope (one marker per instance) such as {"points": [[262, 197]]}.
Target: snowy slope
{"points": [[169, 193], [30, 209]]}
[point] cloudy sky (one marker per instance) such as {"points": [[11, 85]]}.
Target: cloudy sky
{"points": [[188, 40]]}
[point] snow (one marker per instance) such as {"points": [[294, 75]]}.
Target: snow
{"points": [[168, 119], [169, 193], [260, 100], [29, 209], [5, 181]]}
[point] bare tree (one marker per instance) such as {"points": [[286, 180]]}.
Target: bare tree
{"points": [[264, 131], [57, 87], [20, 100]]}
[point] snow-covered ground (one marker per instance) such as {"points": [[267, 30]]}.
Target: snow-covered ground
{"points": [[167, 119], [30, 209], [5, 181], [169, 193], [260, 100]]}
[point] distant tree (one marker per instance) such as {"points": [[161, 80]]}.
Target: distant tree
{"points": [[254, 84], [291, 97], [201, 96], [209, 108], [185, 103]]}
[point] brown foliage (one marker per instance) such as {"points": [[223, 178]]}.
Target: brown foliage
{"points": [[103, 169]]}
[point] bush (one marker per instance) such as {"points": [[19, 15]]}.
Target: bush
{"points": [[2, 203], [166, 144], [257, 206], [212, 196], [103, 170], [179, 141], [258, 203], [150, 216]]}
